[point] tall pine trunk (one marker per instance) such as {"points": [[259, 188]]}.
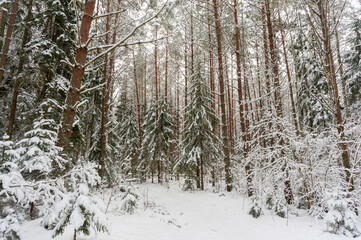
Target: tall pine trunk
{"points": [[331, 75], [9, 33], [137, 99], [76, 78], [105, 98], [277, 97], [19, 76], [226, 149], [293, 108]]}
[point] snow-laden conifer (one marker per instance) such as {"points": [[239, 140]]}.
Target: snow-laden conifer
{"points": [[80, 207], [200, 144], [158, 134], [129, 143], [39, 154]]}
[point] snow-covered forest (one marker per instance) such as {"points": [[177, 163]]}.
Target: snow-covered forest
{"points": [[180, 119]]}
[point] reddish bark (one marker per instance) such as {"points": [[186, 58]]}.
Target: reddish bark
{"points": [[293, 108], [76, 78], [137, 99], [166, 72], [226, 149], [274, 65], [185, 68], [19, 72], [9, 33], [331, 75]]}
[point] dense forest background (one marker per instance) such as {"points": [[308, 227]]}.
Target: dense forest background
{"points": [[259, 97]]}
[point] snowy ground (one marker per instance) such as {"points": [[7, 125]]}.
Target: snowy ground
{"points": [[177, 215]]}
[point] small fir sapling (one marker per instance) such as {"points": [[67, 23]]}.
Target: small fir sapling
{"points": [[188, 184], [125, 198], [9, 226], [129, 200], [340, 219], [256, 208], [38, 151], [276, 205], [80, 208], [14, 195]]}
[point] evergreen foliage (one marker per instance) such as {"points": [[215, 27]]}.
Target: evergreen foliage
{"points": [[129, 143], [38, 152], [158, 135], [340, 219], [200, 144], [353, 62], [80, 208]]}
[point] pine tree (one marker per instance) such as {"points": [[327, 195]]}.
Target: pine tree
{"points": [[200, 144]]}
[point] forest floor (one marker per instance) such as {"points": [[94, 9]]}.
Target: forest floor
{"points": [[171, 214]]}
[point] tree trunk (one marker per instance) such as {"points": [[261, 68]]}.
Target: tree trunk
{"points": [[266, 57], [137, 99], [274, 60], [227, 159], [105, 98], [185, 69], [4, 15], [229, 101], [9, 33], [211, 68], [166, 72], [343, 80], [331, 75], [19, 77], [277, 97], [156, 95], [76, 78], [293, 108]]}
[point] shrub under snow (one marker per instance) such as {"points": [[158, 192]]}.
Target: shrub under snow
{"points": [[340, 219]]}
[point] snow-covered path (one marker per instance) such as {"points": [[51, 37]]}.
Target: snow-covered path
{"points": [[179, 215]]}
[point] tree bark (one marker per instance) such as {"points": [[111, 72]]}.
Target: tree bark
{"points": [[156, 96], [274, 60], [105, 98], [19, 77], [137, 99], [211, 67], [293, 108], [343, 80], [9, 33], [331, 75], [166, 72], [4, 15], [76, 78], [185, 68], [277, 97], [226, 149]]}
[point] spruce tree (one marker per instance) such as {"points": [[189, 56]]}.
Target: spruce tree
{"points": [[158, 135], [314, 88], [353, 62], [200, 144], [38, 152], [129, 142]]}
